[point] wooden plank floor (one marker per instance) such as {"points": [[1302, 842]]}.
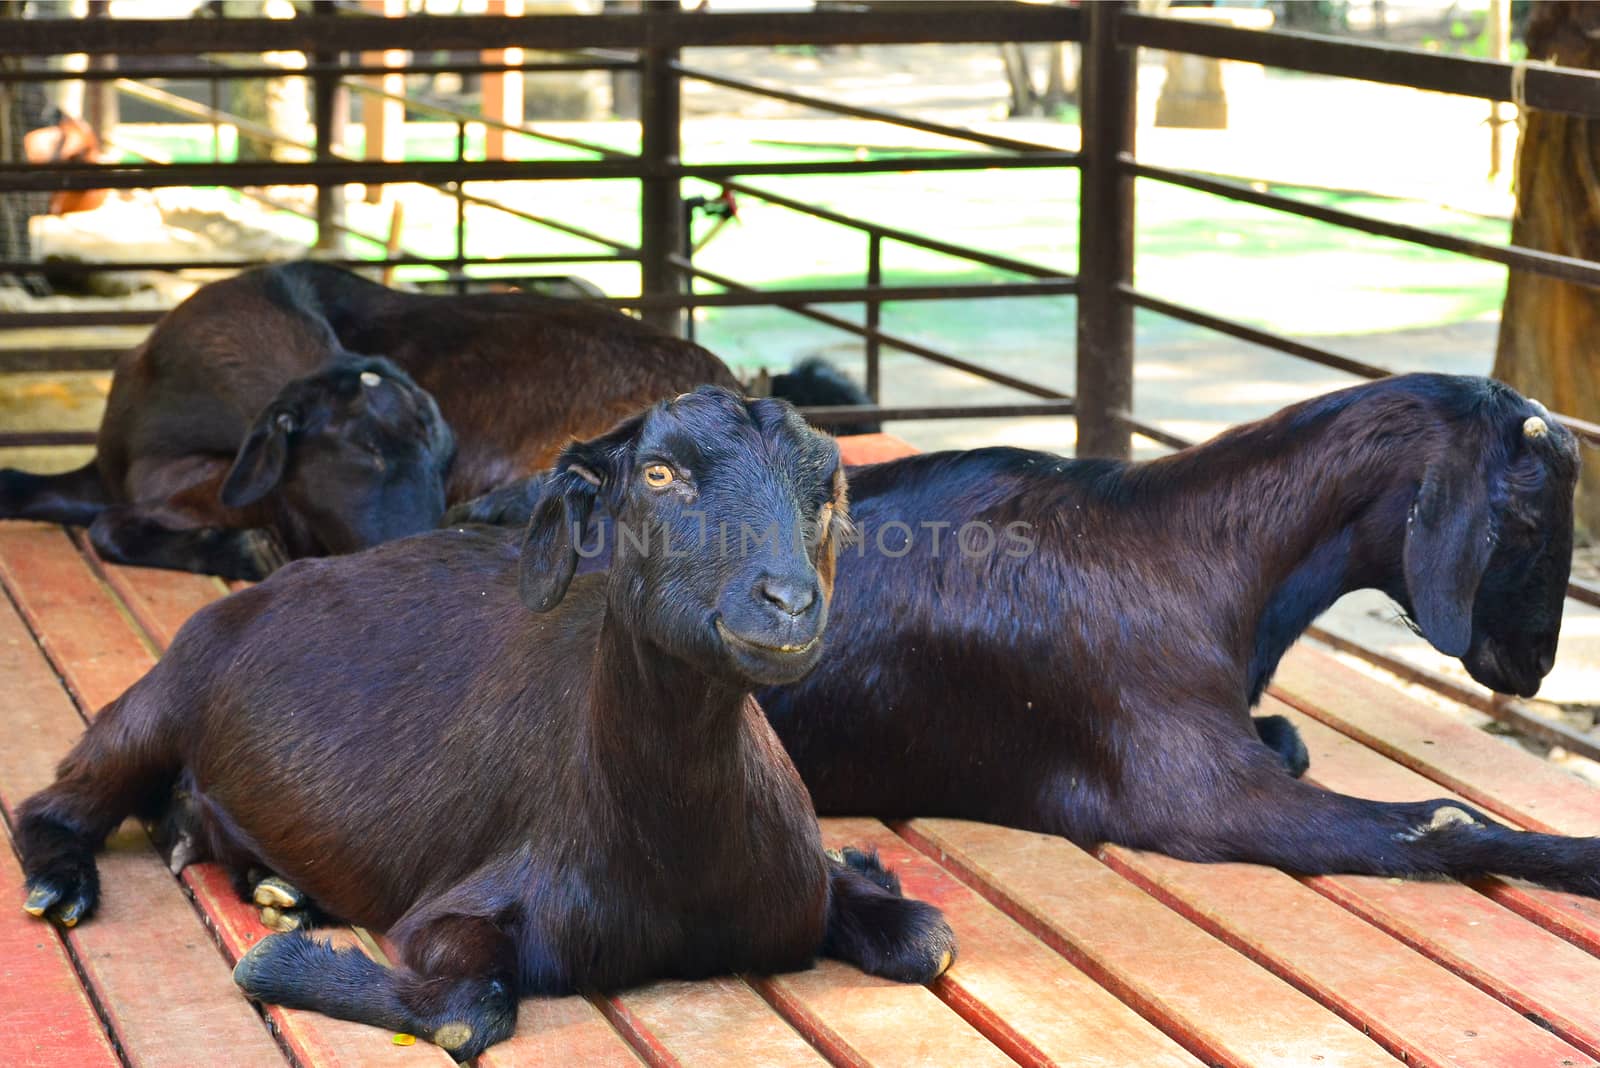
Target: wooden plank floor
{"points": [[1068, 957]]}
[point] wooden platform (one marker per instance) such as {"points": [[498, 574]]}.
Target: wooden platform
{"points": [[1068, 957]]}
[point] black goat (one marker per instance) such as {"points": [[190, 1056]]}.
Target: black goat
{"points": [[300, 410], [1074, 646], [582, 796]]}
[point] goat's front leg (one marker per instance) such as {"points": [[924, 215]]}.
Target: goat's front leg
{"points": [[458, 987], [151, 536], [871, 925]]}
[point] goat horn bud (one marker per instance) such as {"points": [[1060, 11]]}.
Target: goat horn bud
{"points": [[1534, 428]]}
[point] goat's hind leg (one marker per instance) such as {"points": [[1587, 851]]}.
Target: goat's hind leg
{"points": [[458, 987], [74, 497], [1311, 831], [881, 932], [121, 766]]}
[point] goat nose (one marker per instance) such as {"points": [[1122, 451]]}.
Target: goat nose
{"points": [[791, 596]]}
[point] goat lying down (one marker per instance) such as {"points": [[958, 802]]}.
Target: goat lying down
{"points": [[570, 790], [1086, 664], [300, 410]]}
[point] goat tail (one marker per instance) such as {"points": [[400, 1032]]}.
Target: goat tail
{"points": [[125, 764], [74, 497], [1307, 830]]}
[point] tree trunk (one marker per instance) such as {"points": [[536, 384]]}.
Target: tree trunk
{"points": [[1549, 345]]}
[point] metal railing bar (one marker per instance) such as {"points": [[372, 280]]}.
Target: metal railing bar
{"points": [[39, 439], [455, 114], [189, 107], [205, 69], [905, 237], [855, 413], [72, 268], [623, 251], [957, 132], [1586, 431], [1255, 336], [1496, 706], [1550, 264], [1548, 88], [17, 178], [903, 344], [57, 359], [952, 162], [983, 22], [51, 177], [788, 298]]}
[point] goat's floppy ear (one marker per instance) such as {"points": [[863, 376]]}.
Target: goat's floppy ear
{"points": [[261, 461], [550, 546], [1448, 545]]}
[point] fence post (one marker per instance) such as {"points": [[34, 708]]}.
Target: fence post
{"points": [[1105, 238], [328, 113], [661, 232]]}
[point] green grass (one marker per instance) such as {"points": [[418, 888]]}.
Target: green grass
{"points": [[1276, 271]]}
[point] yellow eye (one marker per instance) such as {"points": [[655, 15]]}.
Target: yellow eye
{"points": [[658, 475]]}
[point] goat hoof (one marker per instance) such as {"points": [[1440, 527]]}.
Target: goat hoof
{"points": [[65, 901], [452, 1036], [276, 893], [259, 555], [282, 920], [185, 851]]}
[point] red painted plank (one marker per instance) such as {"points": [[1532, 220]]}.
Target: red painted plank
{"points": [[561, 1033], [857, 449], [1491, 946], [67, 607], [146, 954], [1210, 998], [1498, 776], [159, 600], [858, 1019], [1007, 983], [1494, 774], [1415, 1008], [46, 1019], [710, 1022]]}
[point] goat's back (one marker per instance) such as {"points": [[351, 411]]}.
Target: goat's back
{"points": [[402, 728]]}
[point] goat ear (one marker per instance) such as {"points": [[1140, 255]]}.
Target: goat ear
{"points": [[1447, 549], [261, 461], [550, 546]]}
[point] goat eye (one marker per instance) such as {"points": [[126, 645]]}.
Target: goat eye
{"points": [[370, 378], [658, 476]]}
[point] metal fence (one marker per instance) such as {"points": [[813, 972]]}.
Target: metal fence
{"points": [[651, 41]]}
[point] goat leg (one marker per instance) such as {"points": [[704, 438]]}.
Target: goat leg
{"points": [[146, 536], [1304, 829], [465, 1005], [873, 927], [1283, 738]]}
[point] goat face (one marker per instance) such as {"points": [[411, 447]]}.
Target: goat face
{"points": [[1489, 543], [726, 519], [357, 452]]}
